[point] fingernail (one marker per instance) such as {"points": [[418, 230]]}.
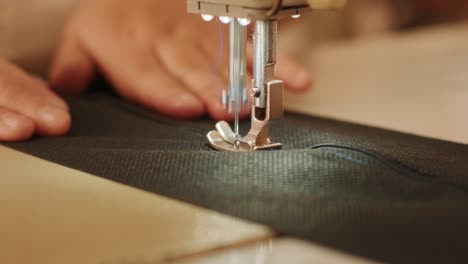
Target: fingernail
{"points": [[51, 114], [10, 120]]}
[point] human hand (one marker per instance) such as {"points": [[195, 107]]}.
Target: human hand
{"points": [[153, 53], [27, 106]]}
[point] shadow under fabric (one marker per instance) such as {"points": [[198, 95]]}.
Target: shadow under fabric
{"points": [[384, 195]]}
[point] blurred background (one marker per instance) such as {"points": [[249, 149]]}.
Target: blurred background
{"points": [[29, 29]]}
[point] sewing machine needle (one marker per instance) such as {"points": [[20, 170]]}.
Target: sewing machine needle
{"points": [[237, 70]]}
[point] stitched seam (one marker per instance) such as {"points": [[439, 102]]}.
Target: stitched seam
{"points": [[397, 166]]}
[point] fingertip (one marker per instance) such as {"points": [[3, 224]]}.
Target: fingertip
{"points": [[300, 81], [297, 78], [15, 127], [53, 121], [217, 111]]}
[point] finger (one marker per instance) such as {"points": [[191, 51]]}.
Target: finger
{"points": [[14, 126], [72, 67], [49, 96], [29, 97], [143, 79], [193, 69], [296, 78]]}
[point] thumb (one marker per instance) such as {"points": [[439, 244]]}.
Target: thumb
{"points": [[72, 67]]}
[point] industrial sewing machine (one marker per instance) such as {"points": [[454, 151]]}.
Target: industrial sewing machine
{"points": [[266, 92]]}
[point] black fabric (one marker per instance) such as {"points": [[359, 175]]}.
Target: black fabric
{"points": [[383, 195]]}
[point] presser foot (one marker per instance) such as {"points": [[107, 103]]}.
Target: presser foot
{"points": [[224, 138]]}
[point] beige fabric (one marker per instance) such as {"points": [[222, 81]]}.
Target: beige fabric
{"points": [[52, 214]]}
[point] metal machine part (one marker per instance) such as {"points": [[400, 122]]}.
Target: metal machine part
{"points": [[223, 138], [259, 9], [265, 37], [237, 95], [267, 93]]}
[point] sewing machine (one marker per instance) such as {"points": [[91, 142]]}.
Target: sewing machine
{"points": [[266, 93]]}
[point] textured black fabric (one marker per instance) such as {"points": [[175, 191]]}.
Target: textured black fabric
{"points": [[384, 195]]}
